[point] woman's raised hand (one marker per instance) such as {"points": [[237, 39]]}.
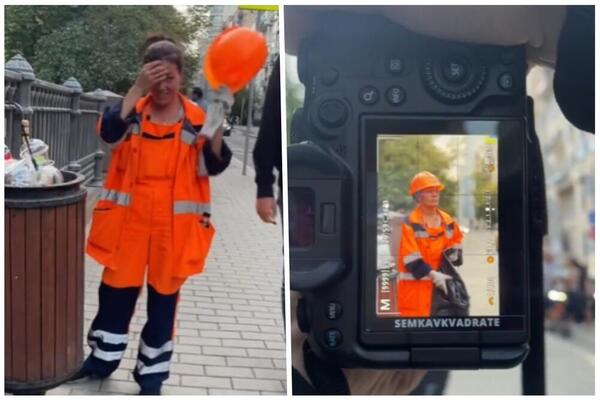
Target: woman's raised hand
{"points": [[151, 74]]}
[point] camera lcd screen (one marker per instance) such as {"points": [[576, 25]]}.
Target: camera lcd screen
{"points": [[444, 244], [437, 226]]}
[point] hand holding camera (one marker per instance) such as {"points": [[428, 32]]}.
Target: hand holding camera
{"points": [[535, 27]]}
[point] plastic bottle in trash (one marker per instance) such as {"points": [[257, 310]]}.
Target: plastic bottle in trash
{"points": [[39, 150]]}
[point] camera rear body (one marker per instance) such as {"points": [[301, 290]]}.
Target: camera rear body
{"points": [[372, 87]]}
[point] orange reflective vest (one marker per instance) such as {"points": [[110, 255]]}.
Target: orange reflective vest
{"points": [[420, 251], [192, 231]]}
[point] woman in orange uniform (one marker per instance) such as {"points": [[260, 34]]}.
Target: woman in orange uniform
{"points": [[153, 217], [428, 235]]}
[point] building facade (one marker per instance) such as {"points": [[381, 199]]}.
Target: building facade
{"points": [[569, 168]]}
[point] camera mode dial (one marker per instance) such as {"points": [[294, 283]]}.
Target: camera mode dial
{"points": [[454, 78], [333, 113]]}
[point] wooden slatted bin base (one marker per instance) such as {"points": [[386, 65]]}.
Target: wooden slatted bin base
{"points": [[44, 230]]}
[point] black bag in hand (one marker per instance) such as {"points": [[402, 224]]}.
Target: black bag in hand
{"points": [[454, 304]]}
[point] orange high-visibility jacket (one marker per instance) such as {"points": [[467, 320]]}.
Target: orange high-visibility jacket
{"points": [[192, 233], [420, 251]]}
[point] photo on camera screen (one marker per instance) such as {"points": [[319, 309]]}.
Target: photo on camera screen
{"points": [[437, 226]]}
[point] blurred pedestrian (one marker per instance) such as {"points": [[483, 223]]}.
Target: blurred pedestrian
{"points": [[576, 287], [555, 295], [267, 151], [590, 307], [198, 97], [267, 158]]}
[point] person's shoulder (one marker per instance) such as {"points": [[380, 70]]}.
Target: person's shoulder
{"points": [[191, 106], [193, 111], [413, 217], [446, 218]]}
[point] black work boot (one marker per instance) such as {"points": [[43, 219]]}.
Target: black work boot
{"points": [[154, 391], [84, 372]]}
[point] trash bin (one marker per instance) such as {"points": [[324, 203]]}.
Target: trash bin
{"points": [[44, 230]]}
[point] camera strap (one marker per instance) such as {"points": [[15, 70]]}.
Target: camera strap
{"points": [[538, 203], [533, 371], [326, 378]]}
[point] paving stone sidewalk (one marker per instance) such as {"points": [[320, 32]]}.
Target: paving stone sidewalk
{"points": [[229, 335]]}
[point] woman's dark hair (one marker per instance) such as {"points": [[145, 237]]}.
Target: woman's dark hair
{"points": [[161, 47]]}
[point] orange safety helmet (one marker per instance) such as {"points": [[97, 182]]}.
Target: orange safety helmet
{"points": [[424, 180], [234, 57]]}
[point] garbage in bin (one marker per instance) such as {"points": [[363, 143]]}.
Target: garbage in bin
{"points": [[34, 169], [7, 153], [23, 172], [39, 152], [49, 175], [19, 173]]}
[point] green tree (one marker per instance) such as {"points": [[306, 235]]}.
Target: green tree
{"points": [[100, 45], [400, 158], [198, 19], [24, 25]]}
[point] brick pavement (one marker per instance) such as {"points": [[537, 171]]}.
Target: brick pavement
{"points": [[229, 337]]}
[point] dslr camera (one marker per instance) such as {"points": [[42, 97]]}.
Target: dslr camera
{"points": [[415, 189]]}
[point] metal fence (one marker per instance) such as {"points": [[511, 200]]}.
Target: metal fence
{"points": [[61, 115]]}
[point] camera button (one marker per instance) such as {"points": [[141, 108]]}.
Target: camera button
{"points": [[394, 65], [368, 95], [329, 76], [333, 113], [334, 310], [395, 95], [505, 81], [333, 338], [454, 69]]}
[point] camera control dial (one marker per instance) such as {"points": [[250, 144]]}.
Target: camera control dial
{"points": [[454, 78], [333, 113]]}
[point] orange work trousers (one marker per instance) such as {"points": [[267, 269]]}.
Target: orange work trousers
{"points": [[146, 240]]}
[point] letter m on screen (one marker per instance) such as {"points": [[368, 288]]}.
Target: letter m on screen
{"points": [[385, 305]]}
